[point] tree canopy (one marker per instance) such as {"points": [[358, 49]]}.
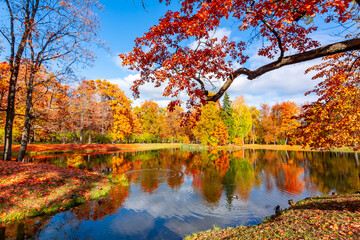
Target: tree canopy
{"points": [[182, 53]]}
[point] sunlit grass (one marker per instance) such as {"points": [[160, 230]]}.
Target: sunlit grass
{"points": [[28, 189]]}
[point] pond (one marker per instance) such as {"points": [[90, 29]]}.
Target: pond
{"points": [[173, 192]]}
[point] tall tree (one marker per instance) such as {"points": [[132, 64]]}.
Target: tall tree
{"points": [[153, 120], [122, 121], [51, 30], [85, 108], [174, 128], [16, 33], [163, 54]]}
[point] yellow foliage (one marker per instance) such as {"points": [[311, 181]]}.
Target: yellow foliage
{"points": [[238, 141]]}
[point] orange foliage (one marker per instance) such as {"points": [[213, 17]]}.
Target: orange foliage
{"points": [[333, 120], [210, 60], [292, 183]]}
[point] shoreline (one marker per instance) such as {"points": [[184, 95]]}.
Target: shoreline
{"points": [[34, 150], [34, 189], [322, 217]]}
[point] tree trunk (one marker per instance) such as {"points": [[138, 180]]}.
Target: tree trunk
{"points": [[253, 142], [89, 141], [286, 140], [81, 135], [15, 62], [27, 125], [356, 159], [10, 114]]}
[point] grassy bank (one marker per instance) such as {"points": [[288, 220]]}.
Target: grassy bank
{"points": [[290, 148], [35, 149], [30, 189], [326, 217]]}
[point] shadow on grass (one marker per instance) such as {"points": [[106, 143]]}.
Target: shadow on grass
{"points": [[32, 190], [343, 203]]}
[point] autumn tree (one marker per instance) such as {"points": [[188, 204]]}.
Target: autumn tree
{"points": [[256, 125], [16, 33], [210, 129], [122, 121], [174, 129], [242, 119], [284, 115], [182, 53], [85, 110], [48, 31], [267, 124], [333, 120], [153, 121], [4, 79]]}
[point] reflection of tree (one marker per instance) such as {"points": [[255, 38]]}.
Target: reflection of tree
{"points": [[95, 210], [244, 176], [75, 160], [292, 183], [335, 172], [222, 163], [204, 167], [120, 165]]}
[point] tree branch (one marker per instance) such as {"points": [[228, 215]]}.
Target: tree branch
{"points": [[277, 37], [339, 47]]}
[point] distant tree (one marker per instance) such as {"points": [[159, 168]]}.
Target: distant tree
{"points": [[122, 121], [152, 119], [85, 109], [288, 111], [267, 124], [242, 118], [255, 126], [210, 129], [174, 129], [226, 113]]}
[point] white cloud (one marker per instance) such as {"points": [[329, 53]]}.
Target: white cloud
{"points": [[147, 91], [128, 224], [286, 83]]}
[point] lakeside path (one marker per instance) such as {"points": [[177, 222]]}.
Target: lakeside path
{"points": [[325, 217]]}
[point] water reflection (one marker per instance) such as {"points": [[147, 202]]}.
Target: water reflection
{"points": [[173, 193]]}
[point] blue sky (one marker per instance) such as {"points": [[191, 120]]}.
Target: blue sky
{"points": [[124, 20]]}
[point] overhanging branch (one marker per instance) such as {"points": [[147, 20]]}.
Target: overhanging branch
{"points": [[339, 47]]}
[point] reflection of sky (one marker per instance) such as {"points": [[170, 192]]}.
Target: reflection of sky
{"points": [[171, 214], [164, 214]]}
